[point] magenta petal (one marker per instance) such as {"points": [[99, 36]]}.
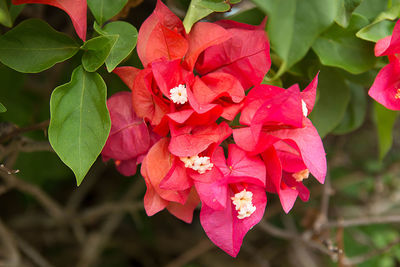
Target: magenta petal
{"points": [[213, 194], [187, 144], [288, 197], [385, 89], [310, 146], [185, 212], [243, 165], [127, 74], [127, 167], [224, 228], [244, 138], [177, 178], [389, 45], [308, 95], [245, 55]]}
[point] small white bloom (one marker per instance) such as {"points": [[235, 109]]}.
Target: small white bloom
{"points": [[199, 164], [243, 204], [304, 107], [301, 175], [179, 94]]}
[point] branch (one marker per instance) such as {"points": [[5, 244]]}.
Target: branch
{"points": [[362, 221], [50, 205], [199, 249], [10, 246]]}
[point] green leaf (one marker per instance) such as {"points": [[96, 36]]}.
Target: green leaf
{"points": [[199, 9], [371, 8], [252, 16], [126, 42], [2, 108], [5, 17], [356, 110], [381, 27], [334, 97], [345, 9], [33, 46], [15, 10], [384, 121], [293, 25], [80, 122], [96, 51], [104, 10], [340, 48]]}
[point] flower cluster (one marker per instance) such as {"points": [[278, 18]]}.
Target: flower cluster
{"points": [[175, 122], [386, 87]]}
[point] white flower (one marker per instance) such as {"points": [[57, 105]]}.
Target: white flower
{"points": [[243, 204], [178, 94]]}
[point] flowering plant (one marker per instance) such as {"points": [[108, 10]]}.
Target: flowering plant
{"points": [[190, 91]]}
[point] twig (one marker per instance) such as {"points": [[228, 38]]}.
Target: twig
{"points": [[92, 214], [369, 255], [97, 240], [33, 254], [40, 126], [10, 246], [50, 205], [362, 221], [199, 249]]}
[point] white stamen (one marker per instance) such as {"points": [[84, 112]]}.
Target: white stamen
{"points": [[243, 204], [178, 94], [199, 164], [304, 107], [301, 175]]}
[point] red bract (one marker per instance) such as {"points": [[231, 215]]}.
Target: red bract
{"points": [[167, 91], [282, 133], [386, 87], [76, 10], [130, 138], [155, 167], [245, 55], [241, 195]]}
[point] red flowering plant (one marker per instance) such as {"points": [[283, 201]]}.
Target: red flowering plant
{"points": [[192, 85]]}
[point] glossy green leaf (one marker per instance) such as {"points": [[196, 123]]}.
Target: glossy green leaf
{"points": [[199, 9], [104, 10], [5, 17], [126, 42], [371, 8], [252, 16], [2, 108], [334, 97], [340, 48], [96, 51], [80, 122], [381, 27], [293, 25], [15, 10], [345, 9], [33, 46], [356, 110], [384, 121]]}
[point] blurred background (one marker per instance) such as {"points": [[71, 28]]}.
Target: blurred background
{"points": [[46, 220]]}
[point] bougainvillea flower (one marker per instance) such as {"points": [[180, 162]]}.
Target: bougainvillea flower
{"points": [[277, 116], [386, 87], [242, 196], [245, 55], [76, 10], [155, 167], [389, 45], [130, 138]]}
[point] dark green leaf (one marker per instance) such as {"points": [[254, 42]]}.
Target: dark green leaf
{"points": [[15, 10], [252, 16], [356, 110], [345, 9], [371, 8], [340, 47], [33, 46], [96, 51], [5, 17], [384, 120], [104, 10], [2, 108], [199, 9], [381, 27], [126, 42], [80, 122], [334, 96], [293, 25]]}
